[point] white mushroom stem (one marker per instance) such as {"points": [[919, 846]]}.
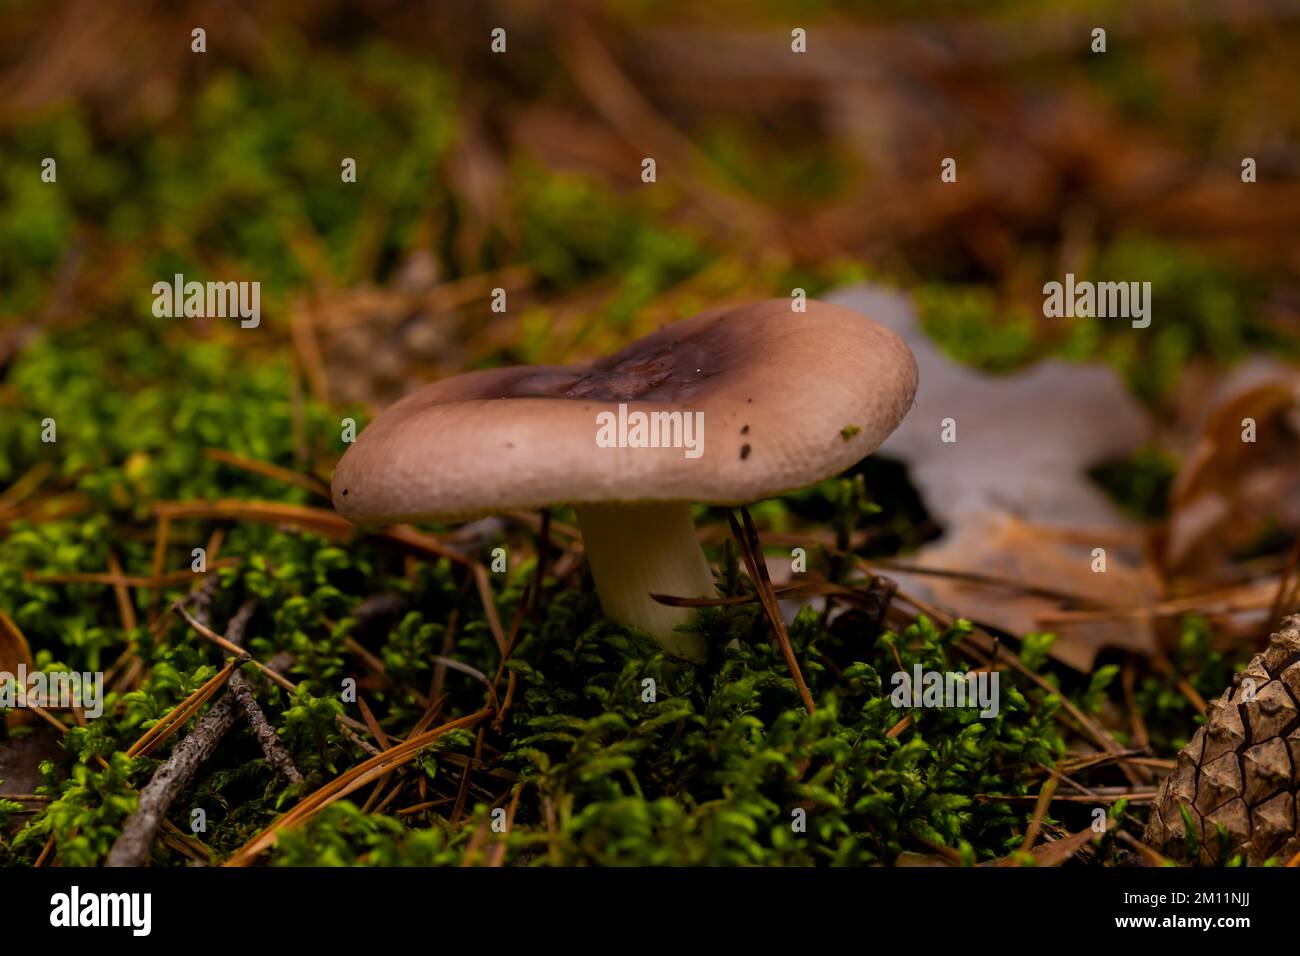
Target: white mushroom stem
{"points": [[636, 550]]}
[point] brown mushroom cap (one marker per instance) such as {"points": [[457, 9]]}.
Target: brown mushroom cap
{"points": [[788, 398]]}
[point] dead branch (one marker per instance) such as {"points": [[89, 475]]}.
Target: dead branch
{"points": [[242, 690], [177, 772]]}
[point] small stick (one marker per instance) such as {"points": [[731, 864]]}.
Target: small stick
{"points": [[346, 724], [177, 772], [242, 690], [489, 607], [132, 847], [266, 736]]}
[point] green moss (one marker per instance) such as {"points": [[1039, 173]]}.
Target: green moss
{"points": [[970, 325], [711, 770]]}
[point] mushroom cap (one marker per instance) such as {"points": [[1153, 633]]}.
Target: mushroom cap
{"points": [[788, 398]]}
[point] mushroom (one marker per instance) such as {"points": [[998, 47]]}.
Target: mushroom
{"points": [[728, 407]]}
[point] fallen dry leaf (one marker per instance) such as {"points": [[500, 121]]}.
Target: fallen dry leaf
{"points": [[1231, 491], [1025, 440], [1036, 558], [1013, 494]]}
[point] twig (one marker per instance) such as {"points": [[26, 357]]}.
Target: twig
{"points": [[168, 782], [347, 724], [242, 690], [177, 772]]}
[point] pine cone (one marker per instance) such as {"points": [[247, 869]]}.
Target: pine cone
{"points": [[1242, 768]]}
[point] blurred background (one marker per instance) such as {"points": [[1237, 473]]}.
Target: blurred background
{"points": [[775, 169]]}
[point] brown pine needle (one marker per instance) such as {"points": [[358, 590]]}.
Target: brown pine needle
{"points": [[317, 520], [455, 665], [382, 739], [800, 589], [1041, 806], [182, 712], [1089, 799], [162, 535], [424, 545], [751, 550], [497, 854], [1152, 856], [267, 470], [373, 725], [429, 716], [116, 579], [49, 718], [25, 485], [490, 607], [421, 807], [899, 727], [125, 609], [338, 788], [206, 632], [347, 723], [320, 521], [45, 851]]}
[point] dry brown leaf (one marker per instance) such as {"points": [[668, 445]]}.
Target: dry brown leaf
{"points": [[1231, 491], [1024, 440], [1013, 493], [1042, 557]]}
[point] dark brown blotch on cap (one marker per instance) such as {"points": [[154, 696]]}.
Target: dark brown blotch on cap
{"points": [[667, 366], [670, 365]]}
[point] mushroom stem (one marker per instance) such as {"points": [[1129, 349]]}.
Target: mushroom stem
{"points": [[635, 550]]}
